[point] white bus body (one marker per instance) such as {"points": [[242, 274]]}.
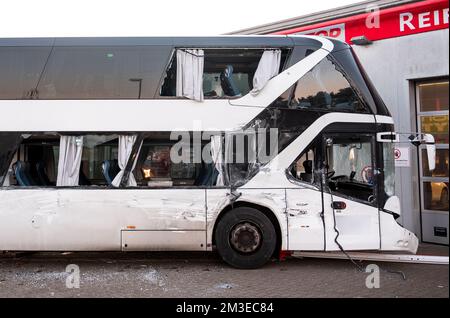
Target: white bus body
{"points": [[270, 211]]}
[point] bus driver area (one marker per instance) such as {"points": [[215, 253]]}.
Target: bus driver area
{"points": [[248, 146]]}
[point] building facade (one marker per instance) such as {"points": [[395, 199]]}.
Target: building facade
{"points": [[404, 48]]}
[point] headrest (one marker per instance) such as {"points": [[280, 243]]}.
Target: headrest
{"points": [[226, 80], [307, 164]]}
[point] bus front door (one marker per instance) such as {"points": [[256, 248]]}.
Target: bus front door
{"points": [[350, 202]]}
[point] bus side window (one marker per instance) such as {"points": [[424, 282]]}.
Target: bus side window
{"points": [[99, 164], [303, 168], [227, 73], [8, 154], [350, 169], [35, 162], [156, 168], [326, 88]]}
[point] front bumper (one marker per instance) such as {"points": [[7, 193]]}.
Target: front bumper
{"points": [[395, 237]]}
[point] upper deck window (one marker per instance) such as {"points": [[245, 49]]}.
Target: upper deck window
{"points": [[227, 73], [20, 68], [326, 88], [103, 72]]}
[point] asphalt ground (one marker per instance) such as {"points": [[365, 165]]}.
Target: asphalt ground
{"points": [[205, 275]]}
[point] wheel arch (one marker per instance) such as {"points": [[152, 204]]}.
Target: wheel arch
{"points": [[264, 209]]}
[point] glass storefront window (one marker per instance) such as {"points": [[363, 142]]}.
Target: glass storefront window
{"points": [[437, 125], [435, 196], [433, 96], [442, 166]]}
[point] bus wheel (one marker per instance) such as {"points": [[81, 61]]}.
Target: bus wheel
{"points": [[245, 238]]}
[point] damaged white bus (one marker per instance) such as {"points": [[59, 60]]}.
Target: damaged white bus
{"points": [[160, 144]]}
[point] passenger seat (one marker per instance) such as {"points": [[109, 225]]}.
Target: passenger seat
{"points": [[110, 169], [208, 175], [229, 87], [307, 176], [22, 172]]}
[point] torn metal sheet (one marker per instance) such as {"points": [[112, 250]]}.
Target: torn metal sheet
{"points": [[272, 199]]}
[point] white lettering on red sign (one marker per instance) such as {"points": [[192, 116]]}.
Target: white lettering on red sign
{"points": [[409, 21], [336, 31]]}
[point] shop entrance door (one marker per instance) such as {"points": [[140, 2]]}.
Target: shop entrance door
{"points": [[433, 117]]}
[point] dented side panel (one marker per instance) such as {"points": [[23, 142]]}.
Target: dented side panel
{"points": [[394, 237], [273, 199], [358, 225], [88, 219], [305, 224]]}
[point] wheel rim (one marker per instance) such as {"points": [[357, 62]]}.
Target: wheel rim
{"points": [[245, 238]]}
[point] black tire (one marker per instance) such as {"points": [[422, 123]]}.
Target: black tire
{"points": [[228, 246]]}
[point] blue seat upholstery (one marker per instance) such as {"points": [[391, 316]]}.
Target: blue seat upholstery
{"points": [[208, 175], [229, 87], [213, 177], [21, 171], [30, 177], [110, 169]]}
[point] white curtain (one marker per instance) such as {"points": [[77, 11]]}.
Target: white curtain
{"points": [[126, 143], [190, 74], [70, 152], [268, 67], [216, 154]]}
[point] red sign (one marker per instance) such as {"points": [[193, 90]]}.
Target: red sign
{"points": [[335, 31], [375, 25]]}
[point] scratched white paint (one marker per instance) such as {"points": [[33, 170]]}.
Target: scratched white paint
{"points": [[357, 224], [306, 231], [395, 237], [274, 199], [79, 219], [177, 219]]}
